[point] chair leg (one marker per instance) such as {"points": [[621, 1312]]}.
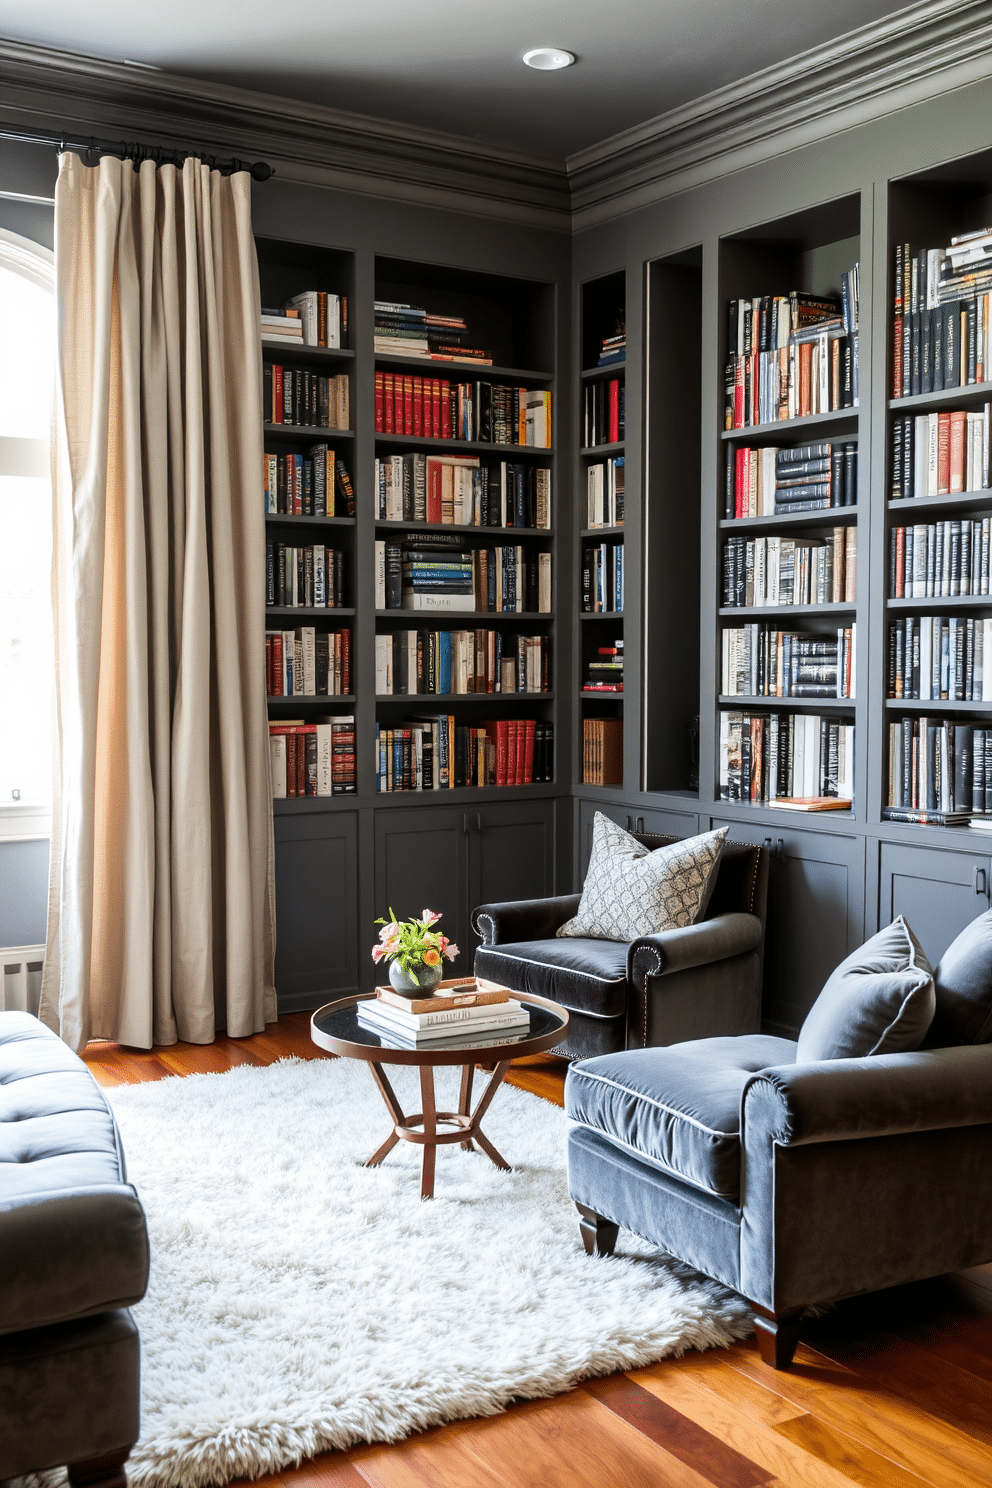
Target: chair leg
{"points": [[100, 1472], [777, 1336], [599, 1235]]}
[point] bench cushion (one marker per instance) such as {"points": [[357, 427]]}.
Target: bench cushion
{"points": [[677, 1108], [585, 976], [72, 1231]]}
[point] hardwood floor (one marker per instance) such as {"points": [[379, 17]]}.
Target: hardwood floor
{"points": [[889, 1391]]}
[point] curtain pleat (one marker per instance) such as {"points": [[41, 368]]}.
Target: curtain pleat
{"points": [[161, 910]]}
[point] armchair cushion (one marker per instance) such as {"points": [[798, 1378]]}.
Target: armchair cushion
{"points": [[585, 976], [677, 1108], [630, 891], [963, 985], [880, 1000]]}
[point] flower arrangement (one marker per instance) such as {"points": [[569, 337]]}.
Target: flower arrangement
{"points": [[413, 943]]}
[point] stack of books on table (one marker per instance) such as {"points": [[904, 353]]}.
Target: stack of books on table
{"points": [[424, 1020]]}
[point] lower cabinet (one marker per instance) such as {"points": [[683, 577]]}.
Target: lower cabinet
{"points": [[316, 907], [815, 915], [938, 892]]}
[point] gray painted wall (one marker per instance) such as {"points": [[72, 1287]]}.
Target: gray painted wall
{"points": [[23, 893]]}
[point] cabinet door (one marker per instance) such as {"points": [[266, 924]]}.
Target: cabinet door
{"points": [[815, 915], [421, 862], [634, 819], [938, 892], [316, 908], [511, 853]]}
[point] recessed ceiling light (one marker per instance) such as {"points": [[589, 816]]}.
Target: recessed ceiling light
{"points": [[548, 59]]}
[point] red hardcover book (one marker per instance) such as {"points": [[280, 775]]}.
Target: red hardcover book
{"points": [[275, 412], [511, 751], [518, 768], [614, 412], [445, 397], [435, 408], [380, 427], [957, 442], [900, 588], [739, 392], [943, 454], [502, 751], [278, 666], [739, 484], [418, 407], [434, 504], [389, 424], [407, 405], [805, 378], [529, 752]]}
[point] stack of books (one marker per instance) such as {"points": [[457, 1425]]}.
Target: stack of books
{"points": [[307, 662], [316, 484], [602, 751], [604, 673], [602, 577], [941, 658], [436, 578], [282, 325], [435, 753], [787, 571], [941, 315], [767, 756], [940, 558], [941, 453], [605, 494], [614, 348], [313, 318], [760, 661], [604, 420], [412, 331], [460, 661], [938, 765], [313, 759], [448, 490], [416, 1021], [769, 482]]}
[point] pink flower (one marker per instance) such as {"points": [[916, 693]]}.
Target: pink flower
{"points": [[450, 951], [389, 932], [431, 958], [429, 917], [377, 953]]}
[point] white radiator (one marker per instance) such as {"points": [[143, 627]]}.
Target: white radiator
{"points": [[21, 987]]}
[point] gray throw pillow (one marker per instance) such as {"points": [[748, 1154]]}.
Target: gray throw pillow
{"points": [[879, 1001], [631, 891], [963, 982]]}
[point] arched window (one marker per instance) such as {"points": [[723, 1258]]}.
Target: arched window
{"points": [[27, 341]]}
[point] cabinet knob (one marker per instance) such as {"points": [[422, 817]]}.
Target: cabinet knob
{"points": [[640, 824], [781, 848], [980, 881], [630, 822]]}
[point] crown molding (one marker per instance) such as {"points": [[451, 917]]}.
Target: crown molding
{"points": [[47, 88], [924, 50]]}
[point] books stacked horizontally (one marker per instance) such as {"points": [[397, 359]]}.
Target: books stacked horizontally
{"points": [[313, 759], [283, 326], [789, 356], [603, 413], [426, 1020], [941, 304], [308, 663], [434, 408], [760, 661], [310, 577], [313, 318], [791, 571], [605, 493], [433, 753], [614, 348], [602, 578], [939, 454], [811, 477], [431, 578], [413, 331], [765, 756], [940, 771], [440, 662], [602, 751], [604, 673], [458, 490], [941, 658], [940, 558]]}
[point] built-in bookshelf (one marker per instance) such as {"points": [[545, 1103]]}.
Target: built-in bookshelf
{"points": [[600, 522]]}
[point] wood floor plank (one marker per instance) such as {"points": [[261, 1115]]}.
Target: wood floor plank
{"points": [[214, 1059], [847, 1456]]}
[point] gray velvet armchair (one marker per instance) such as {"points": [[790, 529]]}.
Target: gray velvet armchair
{"points": [[658, 989]]}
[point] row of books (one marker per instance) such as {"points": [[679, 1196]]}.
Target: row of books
{"points": [[941, 658], [603, 413], [309, 576], [412, 330], [765, 757], [781, 571], [314, 484], [448, 490], [314, 318], [401, 1027], [305, 399], [940, 558], [937, 454], [940, 322], [789, 356], [602, 751], [759, 661], [435, 408], [604, 669], [460, 661], [605, 493], [435, 753], [602, 578], [613, 348], [769, 481], [307, 662], [937, 765], [421, 575], [313, 759]]}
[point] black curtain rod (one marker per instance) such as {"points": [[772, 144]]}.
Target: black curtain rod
{"points": [[130, 150]]}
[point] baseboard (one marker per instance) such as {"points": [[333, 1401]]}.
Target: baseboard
{"points": [[308, 1002], [974, 1286]]}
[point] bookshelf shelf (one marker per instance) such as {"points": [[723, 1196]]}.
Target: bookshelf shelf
{"points": [[465, 446], [601, 614], [955, 501], [459, 618], [465, 371], [488, 534], [601, 695], [285, 519], [935, 706], [305, 431], [297, 352], [323, 700], [597, 450], [789, 704], [484, 699], [604, 534], [784, 612], [321, 612], [971, 393], [831, 516], [600, 374], [790, 431], [944, 603]]}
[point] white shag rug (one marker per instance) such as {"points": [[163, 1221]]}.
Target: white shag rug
{"points": [[299, 1301]]}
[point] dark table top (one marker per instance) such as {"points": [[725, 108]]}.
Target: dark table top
{"points": [[335, 1027]]}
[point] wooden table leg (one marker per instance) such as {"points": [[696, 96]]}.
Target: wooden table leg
{"points": [[430, 1130], [483, 1143], [465, 1102], [395, 1111]]}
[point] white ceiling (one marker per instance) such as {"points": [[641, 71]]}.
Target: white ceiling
{"points": [[455, 64]]}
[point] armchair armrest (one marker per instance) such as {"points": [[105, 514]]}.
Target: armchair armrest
{"points": [[885, 1095], [695, 945], [523, 919]]}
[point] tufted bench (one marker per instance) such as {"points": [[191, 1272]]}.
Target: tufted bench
{"points": [[73, 1258]]}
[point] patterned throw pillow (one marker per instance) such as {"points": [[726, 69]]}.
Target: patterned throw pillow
{"points": [[630, 891]]}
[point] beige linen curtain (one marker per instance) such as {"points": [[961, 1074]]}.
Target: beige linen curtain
{"points": [[161, 917]]}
